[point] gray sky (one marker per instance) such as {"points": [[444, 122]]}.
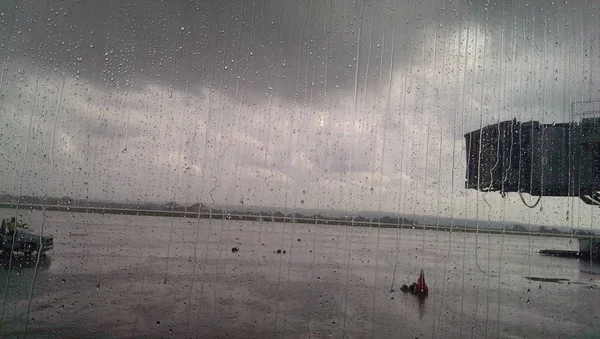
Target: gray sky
{"points": [[316, 104]]}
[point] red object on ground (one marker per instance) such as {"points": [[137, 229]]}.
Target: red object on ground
{"points": [[421, 285]]}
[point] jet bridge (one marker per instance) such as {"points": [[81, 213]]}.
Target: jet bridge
{"points": [[559, 160]]}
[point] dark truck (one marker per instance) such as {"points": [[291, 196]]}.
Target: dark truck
{"points": [[16, 238]]}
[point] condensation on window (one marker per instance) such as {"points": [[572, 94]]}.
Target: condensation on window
{"points": [[302, 169]]}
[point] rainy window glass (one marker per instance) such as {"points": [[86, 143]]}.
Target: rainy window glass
{"points": [[301, 169]]}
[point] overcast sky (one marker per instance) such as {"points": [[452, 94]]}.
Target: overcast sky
{"points": [[346, 105]]}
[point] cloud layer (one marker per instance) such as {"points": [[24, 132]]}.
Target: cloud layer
{"points": [[328, 105]]}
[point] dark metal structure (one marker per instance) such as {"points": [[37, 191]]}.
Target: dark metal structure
{"points": [[539, 159]]}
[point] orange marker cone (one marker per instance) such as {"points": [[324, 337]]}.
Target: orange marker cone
{"points": [[421, 285]]}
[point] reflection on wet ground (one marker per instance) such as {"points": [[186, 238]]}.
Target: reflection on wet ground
{"points": [[589, 267], [23, 261], [120, 276], [554, 280]]}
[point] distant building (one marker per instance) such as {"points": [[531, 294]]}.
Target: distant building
{"points": [[197, 207], [172, 206]]}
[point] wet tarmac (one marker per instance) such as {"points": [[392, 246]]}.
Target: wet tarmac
{"points": [[117, 276]]}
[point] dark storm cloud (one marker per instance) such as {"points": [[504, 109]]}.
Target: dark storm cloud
{"points": [[233, 46], [246, 49]]}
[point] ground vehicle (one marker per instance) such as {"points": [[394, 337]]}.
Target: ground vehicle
{"points": [[20, 239]]}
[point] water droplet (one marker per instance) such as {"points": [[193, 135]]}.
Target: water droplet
{"points": [[62, 281], [299, 240], [301, 202], [408, 90], [158, 323], [183, 28]]}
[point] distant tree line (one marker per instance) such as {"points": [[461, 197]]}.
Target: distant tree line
{"points": [[202, 211]]}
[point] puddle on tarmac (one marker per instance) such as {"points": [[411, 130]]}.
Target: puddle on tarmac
{"points": [[552, 280]]}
